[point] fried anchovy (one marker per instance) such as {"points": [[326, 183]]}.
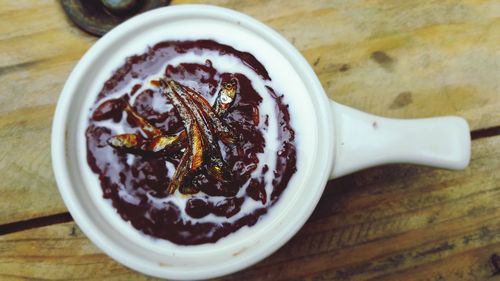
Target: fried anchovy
{"points": [[224, 100], [147, 128], [202, 124], [181, 172], [214, 121], [159, 143], [216, 165], [125, 141], [226, 96], [134, 141], [195, 149]]}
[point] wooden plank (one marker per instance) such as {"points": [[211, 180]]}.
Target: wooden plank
{"points": [[58, 252], [38, 49], [427, 224], [27, 185], [371, 227], [399, 59], [394, 58]]}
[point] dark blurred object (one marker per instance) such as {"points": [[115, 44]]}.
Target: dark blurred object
{"points": [[99, 16]]}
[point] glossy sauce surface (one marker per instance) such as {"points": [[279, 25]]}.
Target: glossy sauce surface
{"points": [[136, 183]]}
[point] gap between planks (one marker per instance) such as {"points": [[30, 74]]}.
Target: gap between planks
{"points": [[66, 217], [35, 223]]}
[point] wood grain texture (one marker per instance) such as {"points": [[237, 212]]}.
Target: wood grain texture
{"points": [[444, 56], [394, 58], [38, 49], [392, 223]]}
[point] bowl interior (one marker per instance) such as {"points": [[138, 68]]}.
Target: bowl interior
{"points": [[291, 75]]}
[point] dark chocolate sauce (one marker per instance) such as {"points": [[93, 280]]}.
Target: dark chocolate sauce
{"points": [[135, 185]]}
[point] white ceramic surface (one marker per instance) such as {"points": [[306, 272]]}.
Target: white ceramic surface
{"points": [[327, 131]]}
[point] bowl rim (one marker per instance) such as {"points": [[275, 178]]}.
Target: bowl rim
{"points": [[59, 140]]}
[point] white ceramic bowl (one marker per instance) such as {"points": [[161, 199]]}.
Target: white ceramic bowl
{"points": [[360, 140]]}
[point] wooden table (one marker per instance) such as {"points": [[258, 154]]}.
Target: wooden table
{"points": [[394, 58]]}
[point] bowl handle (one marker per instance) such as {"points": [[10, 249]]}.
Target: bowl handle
{"points": [[364, 140]]}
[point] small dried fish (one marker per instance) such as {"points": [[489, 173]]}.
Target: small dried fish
{"points": [[130, 141], [202, 129], [218, 127], [226, 96], [147, 128], [216, 166], [125, 141], [135, 143], [160, 143], [195, 149], [180, 173]]}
